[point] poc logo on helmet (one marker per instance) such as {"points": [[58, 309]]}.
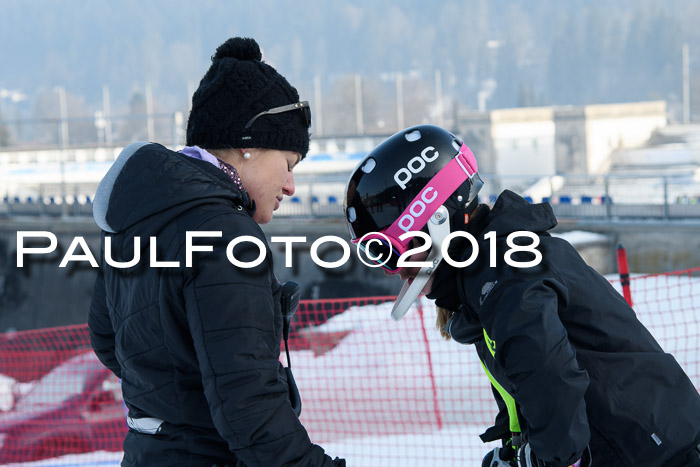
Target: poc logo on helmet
{"points": [[417, 209], [414, 166]]}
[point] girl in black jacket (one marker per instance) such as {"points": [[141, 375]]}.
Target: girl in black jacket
{"points": [[186, 306], [577, 378]]}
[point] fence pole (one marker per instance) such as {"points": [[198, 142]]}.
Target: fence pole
{"points": [[436, 404], [399, 102], [686, 84], [624, 271], [666, 208], [359, 117], [318, 106], [150, 124], [607, 197], [107, 110]]}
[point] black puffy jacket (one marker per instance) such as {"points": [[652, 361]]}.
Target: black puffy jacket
{"points": [[567, 348], [199, 346]]}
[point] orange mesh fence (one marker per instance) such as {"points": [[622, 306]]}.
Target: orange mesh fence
{"points": [[56, 398], [374, 391], [669, 306], [28, 355]]}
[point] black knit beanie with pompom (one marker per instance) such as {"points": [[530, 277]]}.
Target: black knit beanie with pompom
{"points": [[238, 86]]}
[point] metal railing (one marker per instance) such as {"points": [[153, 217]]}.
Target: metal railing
{"points": [[331, 207], [319, 196]]}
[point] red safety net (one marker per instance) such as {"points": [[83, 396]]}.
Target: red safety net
{"points": [[374, 391]]}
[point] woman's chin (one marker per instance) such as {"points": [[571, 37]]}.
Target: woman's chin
{"points": [[262, 217], [426, 288], [428, 285]]}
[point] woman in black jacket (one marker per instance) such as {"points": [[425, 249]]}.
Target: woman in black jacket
{"points": [[186, 306], [577, 378]]}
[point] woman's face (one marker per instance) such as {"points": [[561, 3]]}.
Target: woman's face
{"points": [[267, 176], [410, 273]]}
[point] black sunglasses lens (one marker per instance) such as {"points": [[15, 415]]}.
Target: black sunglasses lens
{"points": [[306, 113], [378, 251]]}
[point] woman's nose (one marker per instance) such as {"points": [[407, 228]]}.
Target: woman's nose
{"points": [[288, 188]]}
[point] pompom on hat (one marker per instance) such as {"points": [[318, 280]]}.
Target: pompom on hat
{"points": [[237, 87]]}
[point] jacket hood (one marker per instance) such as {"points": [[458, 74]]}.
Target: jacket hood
{"points": [[511, 213], [149, 185]]}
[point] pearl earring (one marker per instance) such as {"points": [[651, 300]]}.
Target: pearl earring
{"points": [[246, 155]]}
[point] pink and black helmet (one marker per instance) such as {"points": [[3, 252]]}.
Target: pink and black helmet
{"points": [[400, 184]]}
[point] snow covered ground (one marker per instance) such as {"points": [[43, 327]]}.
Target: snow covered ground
{"points": [[395, 393], [92, 459]]}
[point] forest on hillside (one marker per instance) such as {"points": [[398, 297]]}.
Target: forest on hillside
{"points": [[135, 56]]}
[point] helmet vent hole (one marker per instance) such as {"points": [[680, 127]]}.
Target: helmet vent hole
{"points": [[352, 215], [369, 165], [456, 144], [412, 136]]}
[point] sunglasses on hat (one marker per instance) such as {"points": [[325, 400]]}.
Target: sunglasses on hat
{"points": [[303, 106]]}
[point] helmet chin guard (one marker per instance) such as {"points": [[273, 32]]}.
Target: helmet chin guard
{"points": [[439, 228]]}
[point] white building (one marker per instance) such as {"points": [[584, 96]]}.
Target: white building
{"points": [[558, 140]]}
